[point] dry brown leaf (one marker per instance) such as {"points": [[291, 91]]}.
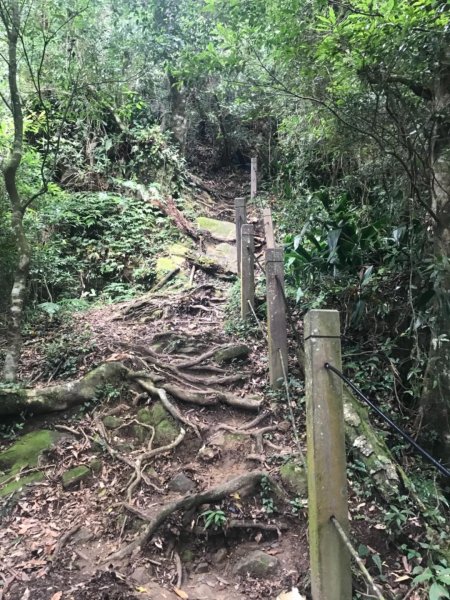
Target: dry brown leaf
{"points": [[181, 594], [56, 596]]}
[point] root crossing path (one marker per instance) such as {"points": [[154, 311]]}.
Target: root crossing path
{"points": [[165, 470]]}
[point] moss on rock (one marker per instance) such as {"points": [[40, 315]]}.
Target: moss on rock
{"points": [[72, 477], [26, 451], [230, 353], [18, 484], [166, 432], [224, 230], [112, 422], [294, 478], [157, 417]]}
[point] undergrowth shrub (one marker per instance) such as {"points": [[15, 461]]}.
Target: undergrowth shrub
{"points": [[91, 244]]}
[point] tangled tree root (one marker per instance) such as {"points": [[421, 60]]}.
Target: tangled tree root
{"points": [[248, 481], [14, 400]]}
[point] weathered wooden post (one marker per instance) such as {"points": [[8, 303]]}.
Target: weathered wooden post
{"points": [[247, 270], [327, 477], [253, 177], [240, 209], [276, 316], [268, 228]]}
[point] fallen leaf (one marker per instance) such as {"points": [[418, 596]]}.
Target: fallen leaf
{"points": [[180, 593], [294, 594], [56, 596], [401, 578]]}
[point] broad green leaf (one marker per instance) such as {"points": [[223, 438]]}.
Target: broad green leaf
{"points": [[437, 591]]}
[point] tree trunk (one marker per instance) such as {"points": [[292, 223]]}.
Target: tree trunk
{"points": [[10, 18], [435, 401], [18, 294], [177, 122]]}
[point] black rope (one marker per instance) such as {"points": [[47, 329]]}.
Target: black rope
{"points": [[394, 426]]}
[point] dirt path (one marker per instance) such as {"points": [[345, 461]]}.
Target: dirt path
{"points": [[56, 541]]}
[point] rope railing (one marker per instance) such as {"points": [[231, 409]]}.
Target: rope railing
{"points": [[389, 421], [331, 548]]}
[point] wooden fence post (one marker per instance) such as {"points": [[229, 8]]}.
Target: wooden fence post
{"points": [[276, 316], [240, 209], [327, 477], [247, 270], [268, 228], [253, 177]]}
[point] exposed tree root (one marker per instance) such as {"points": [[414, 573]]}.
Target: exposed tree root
{"points": [[14, 400], [147, 456], [64, 539], [245, 524], [60, 397], [249, 481], [154, 391]]}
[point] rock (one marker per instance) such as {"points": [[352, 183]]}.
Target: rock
{"points": [[73, 477], [294, 594], [25, 453], [225, 355], [187, 556], [157, 416], [112, 422], [224, 231], [203, 592], [166, 432], [294, 478], [224, 255], [256, 564], [82, 536], [181, 483], [220, 556], [140, 575], [202, 567], [208, 454]]}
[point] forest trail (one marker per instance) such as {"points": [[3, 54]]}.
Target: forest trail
{"points": [[99, 485]]}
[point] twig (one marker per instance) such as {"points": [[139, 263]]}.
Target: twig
{"points": [[291, 412], [179, 568], [358, 560], [25, 472], [166, 279], [63, 540], [258, 322]]}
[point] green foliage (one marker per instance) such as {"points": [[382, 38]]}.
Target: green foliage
{"points": [[234, 324], [214, 518], [437, 578], [65, 355], [96, 243], [267, 499]]}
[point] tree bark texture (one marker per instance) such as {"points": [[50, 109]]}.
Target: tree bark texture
{"points": [[11, 21], [435, 402]]}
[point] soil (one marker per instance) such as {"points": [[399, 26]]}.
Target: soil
{"points": [[55, 543]]}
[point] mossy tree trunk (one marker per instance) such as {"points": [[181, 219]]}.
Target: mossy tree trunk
{"points": [[60, 397], [10, 17]]}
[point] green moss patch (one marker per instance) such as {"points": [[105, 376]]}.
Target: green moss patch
{"points": [[26, 451], [224, 230], [158, 417], [294, 478], [16, 485]]}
